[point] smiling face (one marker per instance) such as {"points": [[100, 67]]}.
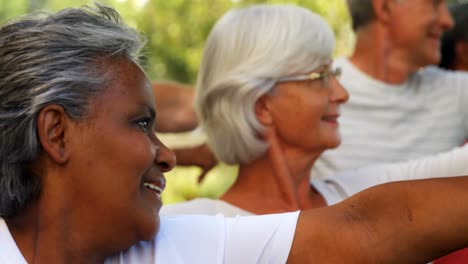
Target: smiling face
{"points": [[117, 162], [305, 113], [415, 28]]}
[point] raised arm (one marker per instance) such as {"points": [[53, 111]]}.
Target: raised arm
{"points": [[448, 164], [175, 111], [401, 222]]}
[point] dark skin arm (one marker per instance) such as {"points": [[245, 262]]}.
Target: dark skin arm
{"points": [[200, 156], [401, 222], [175, 110]]}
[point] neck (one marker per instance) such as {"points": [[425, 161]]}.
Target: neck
{"points": [[375, 56], [43, 233], [460, 66], [277, 182]]}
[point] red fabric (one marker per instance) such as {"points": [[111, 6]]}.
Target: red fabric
{"points": [[459, 257]]}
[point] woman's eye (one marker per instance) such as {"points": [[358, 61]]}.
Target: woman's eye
{"points": [[144, 125], [437, 3], [310, 83], [325, 77]]}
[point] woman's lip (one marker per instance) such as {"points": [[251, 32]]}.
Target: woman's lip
{"points": [[155, 183], [330, 117], [331, 120], [153, 188], [435, 36]]}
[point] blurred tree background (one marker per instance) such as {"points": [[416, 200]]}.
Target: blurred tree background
{"points": [[176, 31]]}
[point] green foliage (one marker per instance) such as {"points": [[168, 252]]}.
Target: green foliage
{"points": [[9, 9], [456, 1], [182, 183], [176, 29]]}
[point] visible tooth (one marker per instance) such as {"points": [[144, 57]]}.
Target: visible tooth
{"points": [[153, 187]]}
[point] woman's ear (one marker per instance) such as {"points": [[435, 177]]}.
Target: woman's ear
{"points": [[51, 128], [262, 110], [382, 10]]}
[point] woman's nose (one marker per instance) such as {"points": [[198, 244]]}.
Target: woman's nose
{"points": [[445, 18], [339, 93], [165, 158]]}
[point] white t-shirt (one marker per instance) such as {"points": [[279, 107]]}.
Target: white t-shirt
{"points": [[9, 252], [203, 206], [384, 123], [199, 239], [335, 189]]}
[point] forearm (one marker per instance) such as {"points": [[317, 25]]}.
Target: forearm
{"points": [[447, 164], [176, 120], [401, 222], [175, 109], [413, 221]]}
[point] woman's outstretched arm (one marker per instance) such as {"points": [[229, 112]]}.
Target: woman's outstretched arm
{"points": [[400, 222]]}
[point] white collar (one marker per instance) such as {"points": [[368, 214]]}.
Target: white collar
{"points": [[9, 251]]}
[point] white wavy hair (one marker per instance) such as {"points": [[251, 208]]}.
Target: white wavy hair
{"points": [[246, 52]]}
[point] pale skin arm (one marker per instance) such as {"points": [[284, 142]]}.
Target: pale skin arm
{"points": [[400, 222]]}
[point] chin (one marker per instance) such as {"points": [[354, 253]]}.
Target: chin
{"points": [[334, 143], [432, 58], [149, 228], [433, 61], [333, 146]]}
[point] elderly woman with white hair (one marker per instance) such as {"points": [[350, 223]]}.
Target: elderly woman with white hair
{"points": [[268, 100]]}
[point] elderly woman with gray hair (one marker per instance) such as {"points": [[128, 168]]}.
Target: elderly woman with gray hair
{"points": [[269, 101], [81, 171]]}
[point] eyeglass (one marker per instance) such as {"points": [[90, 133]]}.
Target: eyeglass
{"points": [[324, 74]]}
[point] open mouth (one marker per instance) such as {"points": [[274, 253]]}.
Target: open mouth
{"points": [[154, 188], [435, 37], [332, 119]]}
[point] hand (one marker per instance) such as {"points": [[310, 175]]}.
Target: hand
{"points": [[200, 156]]}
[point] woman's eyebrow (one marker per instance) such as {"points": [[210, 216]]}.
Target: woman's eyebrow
{"points": [[149, 109]]}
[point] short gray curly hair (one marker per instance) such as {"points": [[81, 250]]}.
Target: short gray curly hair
{"points": [[44, 60], [246, 52]]}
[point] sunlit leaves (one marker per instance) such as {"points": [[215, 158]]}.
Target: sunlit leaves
{"points": [[176, 29]]}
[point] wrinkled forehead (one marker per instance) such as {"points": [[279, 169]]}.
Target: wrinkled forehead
{"points": [[126, 74], [127, 78]]}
